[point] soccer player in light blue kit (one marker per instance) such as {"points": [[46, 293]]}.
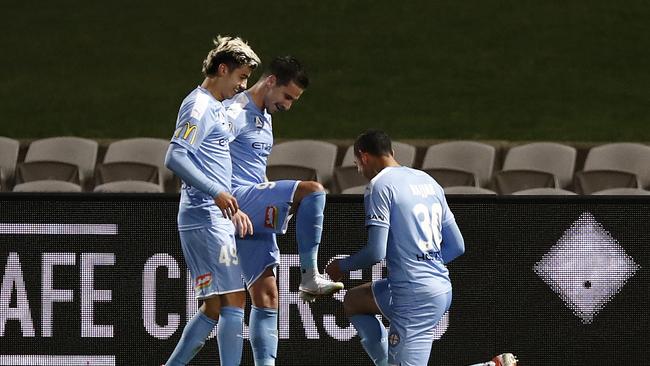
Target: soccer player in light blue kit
{"points": [[271, 204], [200, 156], [410, 224]]}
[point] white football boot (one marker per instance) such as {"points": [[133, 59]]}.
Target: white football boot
{"points": [[314, 285]]}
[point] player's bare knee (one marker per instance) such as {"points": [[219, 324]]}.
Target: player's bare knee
{"points": [[211, 308], [264, 291], [270, 299], [265, 297], [312, 187], [306, 188], [234, 299]]}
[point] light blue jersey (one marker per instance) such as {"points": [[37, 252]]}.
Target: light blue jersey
{"points": [[267, 203], [413, 207], [203, 130], [252, 131]]}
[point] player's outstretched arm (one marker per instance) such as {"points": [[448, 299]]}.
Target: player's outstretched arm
{"points": [[370, 254], [453, 244], [178, 161]]}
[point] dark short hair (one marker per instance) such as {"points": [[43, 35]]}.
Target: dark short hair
{"points": [[287, 69], [373, 142]]}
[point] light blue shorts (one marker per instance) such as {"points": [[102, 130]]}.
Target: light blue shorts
{"points": [[411, 324], [267, 204], [211, 255], [257, 253]]}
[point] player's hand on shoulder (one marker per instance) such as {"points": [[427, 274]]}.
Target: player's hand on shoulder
{"points": [[334, 270], [243, 224], [227, 203]]}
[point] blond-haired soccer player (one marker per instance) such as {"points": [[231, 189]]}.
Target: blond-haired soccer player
{"points": [[200, 156]]}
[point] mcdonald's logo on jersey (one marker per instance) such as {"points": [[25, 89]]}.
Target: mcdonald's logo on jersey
{"points": [[187, 130]]}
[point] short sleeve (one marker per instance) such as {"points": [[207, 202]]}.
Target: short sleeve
{"points": [[195, 125], [378, 204]]}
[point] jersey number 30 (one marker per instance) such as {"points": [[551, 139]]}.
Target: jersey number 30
{"points": [[430, 221]]}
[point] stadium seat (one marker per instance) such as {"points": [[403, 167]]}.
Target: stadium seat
{"points": [[123, 171], [348, 176], [452, 177], [623, 192], [631, 158], [8, 159], [318, 155], [553, 158], [47, 186], [135, 159], [47, 170], [404, 154], [71, 150], [588, 182], [544, 192], [468, 156], [129, 186], [467, 190], [355, 190], [509, 181], [291, 172]]}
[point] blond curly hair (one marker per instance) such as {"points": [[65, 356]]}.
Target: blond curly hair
{"points": [[232, 51]]}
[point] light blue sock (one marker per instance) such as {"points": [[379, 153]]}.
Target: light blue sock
{"points": [[264, 335], [309, 227], [374, 337], [229, 335], [194, 335]]}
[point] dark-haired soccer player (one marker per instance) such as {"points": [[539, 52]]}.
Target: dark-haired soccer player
{"points": [[410, 224], [199, 155], [271, 204]]}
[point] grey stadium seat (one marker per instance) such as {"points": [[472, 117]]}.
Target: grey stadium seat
{"points": [[8, 159], [71, 150], [588, 182], [47, 186], [509, 181], [549, 157], [355, 190], [123, 171], [467, 190], [623, 192], [290, 172], [404, 154], [319, 155], [47, 170], [544, 192], [129, 186], [134, 159], [630, 158], [465, 156], [452, 177], [348, 176]]}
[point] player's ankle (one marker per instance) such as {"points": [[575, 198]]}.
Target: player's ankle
{"points": [[309, 272]]}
